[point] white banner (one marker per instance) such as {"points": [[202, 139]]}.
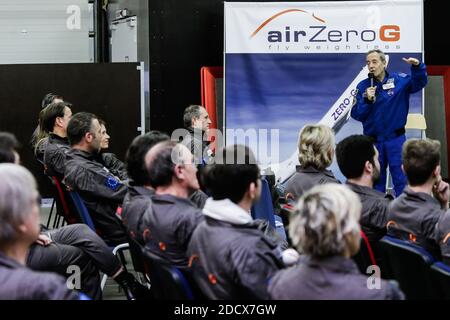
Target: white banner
{"points": [[292, 63], [324, 27]]}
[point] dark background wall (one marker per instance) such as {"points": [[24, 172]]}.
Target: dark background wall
{"points": [[186, 35], [111, 91]]}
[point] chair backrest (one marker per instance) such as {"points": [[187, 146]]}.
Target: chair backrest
{"points": [[440, 275], [409, 264], [82, 210], [365, 256], [167, 281], [136, 255], [263, 209], [62, 193]]}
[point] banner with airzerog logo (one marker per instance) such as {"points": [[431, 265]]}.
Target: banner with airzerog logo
{"points": [[292, 63]]}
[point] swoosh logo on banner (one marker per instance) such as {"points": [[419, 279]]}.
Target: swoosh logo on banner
{"points": [[280, 14]]}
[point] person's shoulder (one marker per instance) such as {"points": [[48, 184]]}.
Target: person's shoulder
{"points": [[187, 210], [43, 285], [281, 281], [250, 242], [444, 221]]}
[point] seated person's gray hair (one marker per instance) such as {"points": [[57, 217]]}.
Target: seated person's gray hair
{"points": [[17, 193], [322, 218]]}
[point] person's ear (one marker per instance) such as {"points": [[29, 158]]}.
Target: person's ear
{"points": [[23, 228], [403, 169], [88, 136], [368, 166], [59, 121], [252, 190], [193, 122], [437, 173], [178, 171]]}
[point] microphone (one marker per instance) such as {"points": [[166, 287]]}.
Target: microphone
{"points": [[371, 76]]}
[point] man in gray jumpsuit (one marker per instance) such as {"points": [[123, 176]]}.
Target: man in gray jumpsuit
{"points": [[101, 191]]}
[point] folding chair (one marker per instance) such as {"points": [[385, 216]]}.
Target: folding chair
{"points": [[167, 281], [86, 219], [365, 256], [263, 209], [440, 275], [409, 264], [64, 198]]}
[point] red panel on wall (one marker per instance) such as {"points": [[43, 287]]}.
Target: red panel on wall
{"points": [[208, 78], [445, 72]]}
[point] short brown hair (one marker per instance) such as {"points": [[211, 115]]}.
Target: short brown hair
{"points": [[420, 158]]}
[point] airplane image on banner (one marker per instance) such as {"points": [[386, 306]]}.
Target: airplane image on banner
{"points": [[335, 118]]}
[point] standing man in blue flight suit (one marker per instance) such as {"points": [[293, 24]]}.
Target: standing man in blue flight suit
{"points": [[382, 106]]}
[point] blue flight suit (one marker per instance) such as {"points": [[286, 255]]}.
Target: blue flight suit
{"points": [[385, 119]]}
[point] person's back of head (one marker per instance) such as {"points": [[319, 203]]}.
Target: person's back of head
{"points": [[421, 160], [84, 128], [50, 98], [19, 212], [171, 164], [8, 148], [354, 154], [232, 175], [325, 222], [56, 114], [135, 157], [316, 146], [40, 134]]}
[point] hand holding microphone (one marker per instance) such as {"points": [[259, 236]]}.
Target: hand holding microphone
{"points": [[371, 91]]}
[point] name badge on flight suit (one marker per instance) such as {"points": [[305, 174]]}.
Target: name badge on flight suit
{"points": [[389, 84]]}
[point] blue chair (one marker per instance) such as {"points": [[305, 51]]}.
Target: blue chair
{"points": [[440, 274], [263, 209], [167, 281], [409, 264], [85, 217]]}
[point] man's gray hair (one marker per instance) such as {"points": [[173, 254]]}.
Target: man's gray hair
{"points": [[191, 112], [380, 53], [323, 216], [17, 193]]}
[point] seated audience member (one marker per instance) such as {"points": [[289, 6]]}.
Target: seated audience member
{"points": [[108, 159], [51, 119], [19, 228], [357, 158], [416, 212], [39, 133], [325, 228], [315, 154], [230, 255], [8, 148], [55, 250], [172, 173], [101, 191], [137, 199], [54, 121], [196, 121]]}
